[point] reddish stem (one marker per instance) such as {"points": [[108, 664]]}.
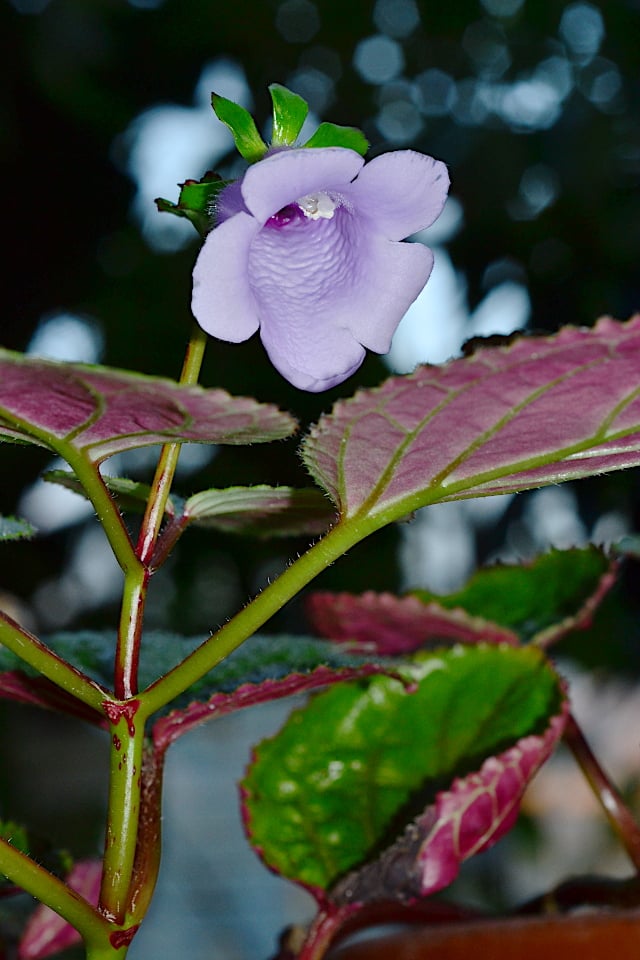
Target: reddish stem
{"points": [[616, 810]]}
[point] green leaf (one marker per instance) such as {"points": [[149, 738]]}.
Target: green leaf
{"points": [[14, 528], [289, 113], [334, 135], [248, 141], [530, 597], [260, 660], [197, 201], [261, 511], [325, 792]]}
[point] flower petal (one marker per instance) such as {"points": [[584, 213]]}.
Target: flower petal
{"points": [[394, 276], [314, 355], [284, 177], [400, 192], [222, 301]]}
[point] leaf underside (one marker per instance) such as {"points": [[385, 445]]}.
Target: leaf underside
{"points": [[264, 668], [539, 411], [99, 412], [339, 782], [537, 601]]}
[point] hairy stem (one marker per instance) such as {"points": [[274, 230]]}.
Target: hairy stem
{"points": [[616, 810], [103, 503], [41, 658], [127, 656], [47, 888], [339, 539], [161, 486]]}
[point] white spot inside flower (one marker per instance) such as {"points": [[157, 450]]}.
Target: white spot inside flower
{"points": [[317, 206]]}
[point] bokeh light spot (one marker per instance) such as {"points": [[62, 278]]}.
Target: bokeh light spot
{"points": [[297, 20], [378, 59]]}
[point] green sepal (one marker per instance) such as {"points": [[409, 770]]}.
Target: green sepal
{"points": [[248, 141], [333, 135], [289, 113], [196, 201]]}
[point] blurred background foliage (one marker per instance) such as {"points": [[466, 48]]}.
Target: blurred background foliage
{"points": [[533, 104]]}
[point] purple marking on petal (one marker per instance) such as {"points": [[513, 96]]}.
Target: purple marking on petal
{"points": [[284, 177]]}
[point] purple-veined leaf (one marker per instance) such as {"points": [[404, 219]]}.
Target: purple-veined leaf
{"points": [[392, 625], [465, 820], [541, 410], [167, 729], [539, 601], [46, 932], [339, 782], [100, 411]]}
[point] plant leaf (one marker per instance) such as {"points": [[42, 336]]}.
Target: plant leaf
{"points": [[392, 626], [21, 686], [539, 411], [14, 528], [130, 494], [345, 774], [100, 411], [261, 510], [248, 141], [555, 592], [468, 818], [289, 113], [263, 668], [333, 135]]}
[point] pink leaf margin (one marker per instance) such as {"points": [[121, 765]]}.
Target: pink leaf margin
{"points": [[167, 729], [467, 819], [390, 625]]}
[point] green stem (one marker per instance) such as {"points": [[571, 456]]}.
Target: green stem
{"points": [[127, 739], [130, 632], [47, 888], [41, 658], [127, 729], [616, 810], [321, 555], [161, 486], [103, 503]]}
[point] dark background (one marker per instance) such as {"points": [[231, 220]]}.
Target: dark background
{"points": [[549, 197]]}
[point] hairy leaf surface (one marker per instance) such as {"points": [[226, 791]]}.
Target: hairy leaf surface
{"points": [[393, 625], [263, 668], [99, 411], [344, 776], [539, 411], [542, 600]]}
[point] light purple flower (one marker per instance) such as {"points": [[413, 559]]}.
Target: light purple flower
{"points": [[306, 249]]}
